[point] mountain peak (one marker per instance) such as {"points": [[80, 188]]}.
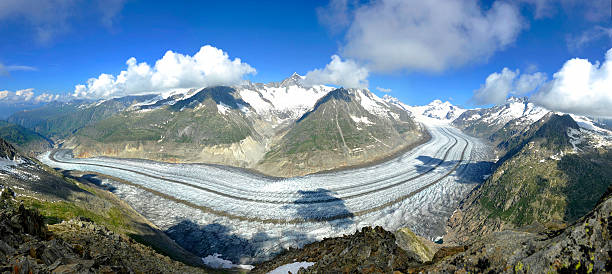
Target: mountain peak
{"points": [[513, 99], [294, 80]]}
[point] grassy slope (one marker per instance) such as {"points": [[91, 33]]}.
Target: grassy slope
{"points": [[73, 196], [530, 187], [60, 120], [315, 141], [23, 138]]}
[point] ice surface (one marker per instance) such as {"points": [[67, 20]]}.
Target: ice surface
{"points": [[255, 217], [291, 268], [215, 261]]}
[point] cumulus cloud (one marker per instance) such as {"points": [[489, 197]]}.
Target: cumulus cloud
{"points": [[385, 90], [50, 18], [498, 86], [580, 87], [208, 67], [6, 70], [433, 35], [345, 73], [26, 96]]}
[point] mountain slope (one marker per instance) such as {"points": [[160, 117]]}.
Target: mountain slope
{"points": [[281, 128], [549, 176], [500, 122], [345, 127], [64, 196], [27, 140], [213, 125], [58, 120]]}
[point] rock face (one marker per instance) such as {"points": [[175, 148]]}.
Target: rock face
{"points": [[419, 248], [371, 250], [7, 151], [77, 246]]}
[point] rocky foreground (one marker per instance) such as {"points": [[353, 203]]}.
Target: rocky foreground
{"points": [[28, 245], [583, 247]]}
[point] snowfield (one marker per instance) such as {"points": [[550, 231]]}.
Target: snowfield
{"points": [[249, 218]]}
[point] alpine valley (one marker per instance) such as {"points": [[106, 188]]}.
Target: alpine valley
{"points": [[267, 175]]}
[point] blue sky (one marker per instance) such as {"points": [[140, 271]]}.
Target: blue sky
{"points": [[276, 38]]}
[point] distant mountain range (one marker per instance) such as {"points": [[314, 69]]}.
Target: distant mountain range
{"points": [[281, 128]]}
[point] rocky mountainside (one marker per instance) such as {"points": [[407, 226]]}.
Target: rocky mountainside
{"points": [[58, 120], [583, 247], [75, 246], [346, 127], [552, 174], [269, 128], [371, 250]]}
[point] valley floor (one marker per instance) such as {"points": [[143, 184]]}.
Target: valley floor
{"points": [[249, 218]]}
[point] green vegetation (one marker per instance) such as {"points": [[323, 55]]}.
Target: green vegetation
{"points": [[530, 186], [22, 137], [194, 121], [56, 212], [588, 175], [60, 120]]}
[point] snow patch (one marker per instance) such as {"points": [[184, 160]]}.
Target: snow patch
{"points": [[576, 137], [223, 108], [372, 103], [291, 268], [362, 120], [215, 261]]}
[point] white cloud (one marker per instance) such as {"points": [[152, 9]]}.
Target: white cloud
{"points": [[385, 90], [336, 15], [592, 10], [109, 10], [6, 70], [498, 86], [345, 73], [432, 35], [596, 33], [49, 18], [26, 96], [208, 67], [580, 87]]}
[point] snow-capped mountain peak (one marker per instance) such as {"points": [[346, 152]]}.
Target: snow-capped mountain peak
{"points": [[437, 109], [294, 80]]}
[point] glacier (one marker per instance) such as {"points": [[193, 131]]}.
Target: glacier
{"points": [[249, 217]]}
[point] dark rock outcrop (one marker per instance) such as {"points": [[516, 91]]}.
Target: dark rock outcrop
{"points": [[371, 250], [76, 246]]}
